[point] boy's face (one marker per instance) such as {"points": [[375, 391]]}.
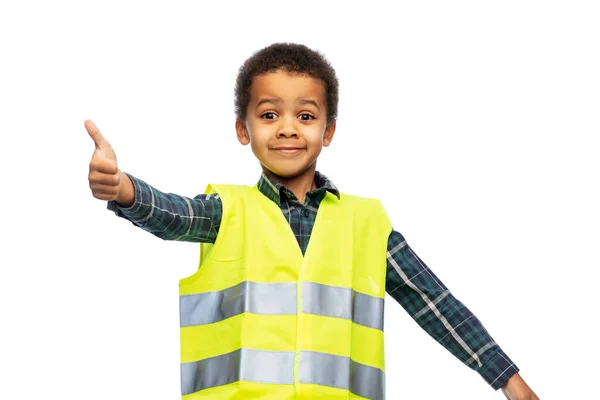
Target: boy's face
{"points": [[286, 123]]}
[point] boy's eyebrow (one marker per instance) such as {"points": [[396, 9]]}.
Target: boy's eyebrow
{"points": [[277, 100], [274, 100], [307, 101]]}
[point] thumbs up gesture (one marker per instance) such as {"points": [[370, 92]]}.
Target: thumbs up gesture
{"points": [[106, 180]]}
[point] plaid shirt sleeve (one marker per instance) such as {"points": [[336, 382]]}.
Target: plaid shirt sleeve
{"points": [[412, 284], [170, 216]]}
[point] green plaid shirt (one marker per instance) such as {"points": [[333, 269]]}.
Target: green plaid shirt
{"points": [[409, 281]]}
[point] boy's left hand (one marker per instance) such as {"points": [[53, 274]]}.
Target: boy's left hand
{"points": [[516, 389]]}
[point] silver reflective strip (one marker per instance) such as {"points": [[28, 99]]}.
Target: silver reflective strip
{"points": [[368, 310], [330, 301], [280, 299], [240, 365], [367, 381], [324, 369], [343, 373], [278, 368], [257, 298], [340, 302]]}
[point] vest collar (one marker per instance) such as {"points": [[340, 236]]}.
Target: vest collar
{"points": [[275, 191]]}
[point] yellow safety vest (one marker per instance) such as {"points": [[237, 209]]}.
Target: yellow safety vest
{"points": [[261, 321]]}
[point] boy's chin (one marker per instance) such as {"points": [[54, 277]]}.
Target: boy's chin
{"points": [[285, 173]]}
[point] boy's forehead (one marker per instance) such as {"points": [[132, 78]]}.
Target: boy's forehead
{"points": [[284, 85]]}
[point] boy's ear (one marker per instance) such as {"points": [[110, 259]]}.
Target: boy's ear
{"points": [[328, 135], [242, 132]]}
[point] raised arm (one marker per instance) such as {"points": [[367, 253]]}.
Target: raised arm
{"points": [[429, 302], [166, 215]]}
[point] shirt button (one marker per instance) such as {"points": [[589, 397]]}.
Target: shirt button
{"points": [[305, 213]]}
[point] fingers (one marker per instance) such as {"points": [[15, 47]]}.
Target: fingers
{"points": [[104, 177], [104, 196], [95, 134], [110, 190], [98, 178], [104, 186], [103, 164]]}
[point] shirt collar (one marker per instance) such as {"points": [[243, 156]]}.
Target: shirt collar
{"points": [[274, 190]]}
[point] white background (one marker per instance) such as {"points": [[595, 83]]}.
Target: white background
{"points": [[476, 123]]}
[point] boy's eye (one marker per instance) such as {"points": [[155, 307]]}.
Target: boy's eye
{"points": [[306, 117], [268, 115]]}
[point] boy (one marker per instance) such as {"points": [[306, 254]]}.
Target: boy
{"points": [[293, 313]]}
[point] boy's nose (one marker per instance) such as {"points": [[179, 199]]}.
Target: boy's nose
{"points": [[287, 133], [287, 127]]}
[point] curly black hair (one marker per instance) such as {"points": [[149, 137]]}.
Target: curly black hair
{"points": [[290, 57]]}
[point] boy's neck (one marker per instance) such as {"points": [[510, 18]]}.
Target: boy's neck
{"points": [[299, 185]]}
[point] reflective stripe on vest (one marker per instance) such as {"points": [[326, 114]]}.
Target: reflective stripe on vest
{"points": [[278, 368], [260, 319], [280, 298]]}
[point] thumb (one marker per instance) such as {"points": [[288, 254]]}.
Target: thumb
{"points": [[96, 135]]}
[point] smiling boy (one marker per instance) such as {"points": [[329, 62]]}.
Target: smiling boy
{"points": [[288, 300], [287, 125]]}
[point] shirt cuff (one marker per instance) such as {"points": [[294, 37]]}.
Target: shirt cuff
{"points": [[498, 369], [136, 210]]}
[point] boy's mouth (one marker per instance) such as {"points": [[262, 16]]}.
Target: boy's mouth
{"points": [[288, 150]]}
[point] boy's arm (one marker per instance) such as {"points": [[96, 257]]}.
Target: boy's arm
{"points": [[170, 216], [165, 215], [429, 302]]}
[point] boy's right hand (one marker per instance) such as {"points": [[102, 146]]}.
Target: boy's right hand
{"points": [[107, 182]]}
